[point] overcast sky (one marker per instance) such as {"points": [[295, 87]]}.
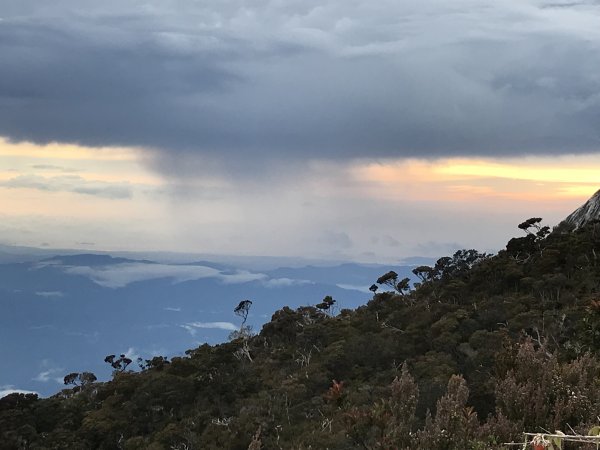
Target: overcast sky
{"points": [[344, 128]]}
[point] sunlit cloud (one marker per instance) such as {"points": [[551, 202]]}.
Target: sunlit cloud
{"points": [[193, 327], [70, 196], [525, 179], [542, 169], [51, 374], [61, 151]]}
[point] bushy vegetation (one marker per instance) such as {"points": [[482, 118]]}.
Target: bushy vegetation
{"points": [[482, 349]]}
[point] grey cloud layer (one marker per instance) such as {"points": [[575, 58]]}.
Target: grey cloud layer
{"points": [[242, 81]]}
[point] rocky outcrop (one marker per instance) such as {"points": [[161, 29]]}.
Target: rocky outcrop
{"points": [[589, 211]]}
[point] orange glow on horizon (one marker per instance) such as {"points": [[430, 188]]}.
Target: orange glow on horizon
{"points": [[460, 179], [64, 194], [58, 180], [540, 171], [66, 151]]}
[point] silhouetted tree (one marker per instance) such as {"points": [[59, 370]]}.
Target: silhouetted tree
{"points": [[540, 231], [521, 249], [80, 379], [242, 310], [87, 378], [158, 363], [71, 378], [403, 286], [326, 304], [389, 279], [425, 273], [119, 364]]}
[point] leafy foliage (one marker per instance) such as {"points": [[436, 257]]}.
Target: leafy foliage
{"points": [[80, 379]]}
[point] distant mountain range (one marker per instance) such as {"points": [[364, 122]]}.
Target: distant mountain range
{"points": [[66, 312]]}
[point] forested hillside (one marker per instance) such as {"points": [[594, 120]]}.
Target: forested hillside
{"points": [[482, 349]]}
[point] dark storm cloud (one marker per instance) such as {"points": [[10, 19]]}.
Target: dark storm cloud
{"points": [[261, 81], [62, 85]]}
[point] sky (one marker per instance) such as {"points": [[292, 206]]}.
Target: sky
{"points": [[337, 129]]}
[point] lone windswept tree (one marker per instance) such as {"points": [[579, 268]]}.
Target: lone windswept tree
{"points": [[245, 332], [242, 310], [522, 248], [532, 227], [326, 305]]}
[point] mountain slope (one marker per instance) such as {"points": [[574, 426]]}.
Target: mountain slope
{"points": [[587, 212], [484, 349]]}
